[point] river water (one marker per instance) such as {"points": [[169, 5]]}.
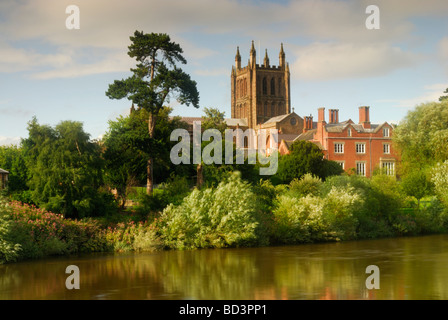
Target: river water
{"points": [[408, 268]]}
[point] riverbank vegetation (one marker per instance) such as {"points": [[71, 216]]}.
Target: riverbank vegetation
{"points": [[60, 199], [233, 214]]}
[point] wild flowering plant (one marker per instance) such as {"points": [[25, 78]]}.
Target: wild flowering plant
{"points": [[41, 233]]}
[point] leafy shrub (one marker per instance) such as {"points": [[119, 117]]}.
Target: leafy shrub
{"points": [[133, 236], [440, 180], [432, 218], [171, 192], [223, 217], [9, 251], [381, 201], [313, 218], [339, 212], [297, 220], [307, 185]]}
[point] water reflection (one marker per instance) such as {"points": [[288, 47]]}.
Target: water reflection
{"points": [[411, 268]]}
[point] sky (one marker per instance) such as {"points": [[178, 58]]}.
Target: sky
{"points": [[56, 73]]}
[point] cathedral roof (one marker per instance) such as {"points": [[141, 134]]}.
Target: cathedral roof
{"points": [[190, 120], [309, 135], [278, 118], [233, 122], [287, 137]]}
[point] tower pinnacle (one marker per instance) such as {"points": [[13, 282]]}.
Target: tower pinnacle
{"points": [[281, 57], [238, 58], [266, 59], [253, 55]]}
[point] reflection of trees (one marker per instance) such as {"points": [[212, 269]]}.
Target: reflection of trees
{"points": [[411, 268], [211, 274]]}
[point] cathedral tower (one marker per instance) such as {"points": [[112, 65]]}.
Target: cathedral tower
{"points": [[260, 92]]}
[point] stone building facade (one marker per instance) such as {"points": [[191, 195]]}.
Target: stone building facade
{"points": [[261, 99], [260, 92]]}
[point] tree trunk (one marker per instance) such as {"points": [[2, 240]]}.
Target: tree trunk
{"points": [[200, 175], [149, 175], [150, 164]]}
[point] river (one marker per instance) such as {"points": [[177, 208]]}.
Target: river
{"points": [[408, 268]]}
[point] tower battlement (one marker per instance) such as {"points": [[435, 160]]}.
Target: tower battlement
{"points": [[260, 91]]}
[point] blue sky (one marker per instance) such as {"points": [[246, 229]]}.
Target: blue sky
{"points": [[55, 74]]}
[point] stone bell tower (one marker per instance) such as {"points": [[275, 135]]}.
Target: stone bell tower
{"points": [[260, 92]]}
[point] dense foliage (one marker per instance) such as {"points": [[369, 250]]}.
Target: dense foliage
{"points": [[235, 213], [28, 232], [221, 217], [422, 137], [127, 146], [155, 79], [305, 157], [65, 170], [63, 182]]}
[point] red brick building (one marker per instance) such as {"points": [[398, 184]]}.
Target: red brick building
{"points": [[359, 148]]}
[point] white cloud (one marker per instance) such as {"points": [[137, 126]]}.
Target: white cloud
{"points": [[17, 59], [107, 24], [110, 63], [6, 141], [329, 61]]}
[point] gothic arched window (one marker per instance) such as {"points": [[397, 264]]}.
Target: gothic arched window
{"points": [[238, 88], [273, 86], [280, 87], [265, 109], [265, 86], [272, 110]]}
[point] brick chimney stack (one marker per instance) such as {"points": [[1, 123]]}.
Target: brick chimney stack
{"points": [[321, 115], [333, 116], [307, 123], [364, 117]]}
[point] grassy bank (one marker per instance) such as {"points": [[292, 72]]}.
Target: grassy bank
{"points": [[232, 214]]}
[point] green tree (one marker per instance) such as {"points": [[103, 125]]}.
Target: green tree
{"points": [[153, 82], [127, 145], [439, 178], [12, 160], [65, 169], [212, 173], [422, 137], [213, 119], [416, 184], [305, 157]]}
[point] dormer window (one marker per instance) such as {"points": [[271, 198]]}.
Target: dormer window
{"points": [[386, 132], [349, 132]]}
